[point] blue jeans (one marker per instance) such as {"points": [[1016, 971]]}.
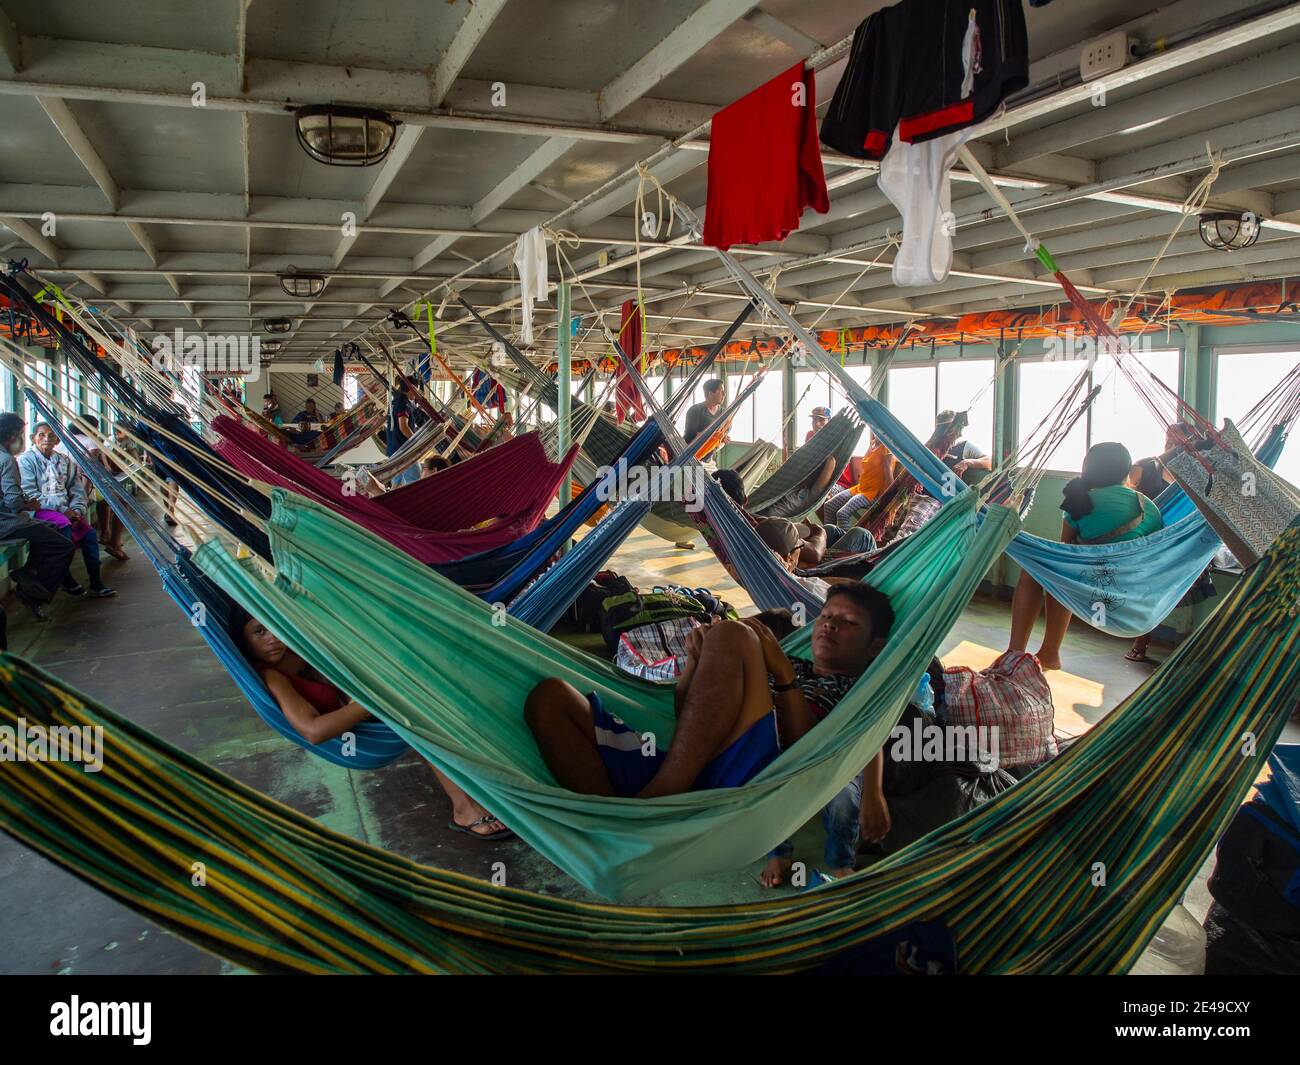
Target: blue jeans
{"points": [[849, 541], [407, 476], [90, 555], [840, 819]]}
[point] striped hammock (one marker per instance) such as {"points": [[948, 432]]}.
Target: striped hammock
{"points": [[1071, 871]]}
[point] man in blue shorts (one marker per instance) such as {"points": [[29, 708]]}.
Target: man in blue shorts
{"points": [[739, 701]]}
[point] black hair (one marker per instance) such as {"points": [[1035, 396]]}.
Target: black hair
{"points": [[435, 462], [10, 424], [732, 484], [239, 617], [873, 601], [1105, 464], [781, 622], [713, 384]]}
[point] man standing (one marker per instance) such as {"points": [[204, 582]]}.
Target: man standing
{"points": [[404, 418], [48, 553], [700, 415]]}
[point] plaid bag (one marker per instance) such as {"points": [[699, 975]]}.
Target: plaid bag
{"points": [[1011, 695], [656, 651]]}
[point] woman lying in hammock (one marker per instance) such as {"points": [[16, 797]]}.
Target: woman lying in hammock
{"points": [[739, 700], [318, 711], [1100, 508]]}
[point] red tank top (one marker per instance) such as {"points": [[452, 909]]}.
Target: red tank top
{"points": [[323, 696]]}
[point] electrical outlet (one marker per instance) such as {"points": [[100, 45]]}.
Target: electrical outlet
{"points": [[1105, 55]]}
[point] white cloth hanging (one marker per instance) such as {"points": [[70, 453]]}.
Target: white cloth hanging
{"points": [[530, 261], [915, 178]]}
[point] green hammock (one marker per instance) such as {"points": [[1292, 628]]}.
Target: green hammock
{"points": [[450, 673], [1147, 792]]}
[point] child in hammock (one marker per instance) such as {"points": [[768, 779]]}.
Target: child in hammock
{"points": [[1099, 508], [318, 711], [739, 701]]}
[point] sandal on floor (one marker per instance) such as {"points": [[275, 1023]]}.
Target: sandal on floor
{"points": [[505, 833], [1137, 656], [117, 553]]}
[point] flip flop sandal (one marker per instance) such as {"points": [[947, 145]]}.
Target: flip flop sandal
{"points": [[505, 833], [1132, 657]]}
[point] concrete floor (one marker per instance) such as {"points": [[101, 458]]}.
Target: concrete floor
{"points": [[138, 654]]}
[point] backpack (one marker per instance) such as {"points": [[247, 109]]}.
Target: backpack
{"points": [[586, 613], [1012, 695], [631, 610]]}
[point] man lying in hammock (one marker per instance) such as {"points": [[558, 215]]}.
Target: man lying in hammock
{"points": [[318, 711], [739, 701]]}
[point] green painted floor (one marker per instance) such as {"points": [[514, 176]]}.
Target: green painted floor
{"points": [[139, 655]]}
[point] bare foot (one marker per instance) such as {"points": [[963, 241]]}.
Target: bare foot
{"points": [[775, 872], [1049, 661], [839, 874]]}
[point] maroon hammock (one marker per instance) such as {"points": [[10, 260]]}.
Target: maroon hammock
{"points": [[487, 501]]}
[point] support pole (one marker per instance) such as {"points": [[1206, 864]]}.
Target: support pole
{"points": [[564, 368]]}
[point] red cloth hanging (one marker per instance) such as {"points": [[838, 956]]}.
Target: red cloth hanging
{"points": [[765, 163], [627, 399]]}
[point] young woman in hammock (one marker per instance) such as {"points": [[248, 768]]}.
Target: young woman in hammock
{"points": [[739, 701], [1099, 508], [318, 711]]}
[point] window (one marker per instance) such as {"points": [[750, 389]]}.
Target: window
{"points": [[918, 393], [769, 408], [39, 372], [1242, 380], [763, 407], [1118, 413], [1041, 386]]}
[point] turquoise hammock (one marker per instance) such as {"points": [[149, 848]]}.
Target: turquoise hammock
{"points": [[1147, 793], [450, 674]]}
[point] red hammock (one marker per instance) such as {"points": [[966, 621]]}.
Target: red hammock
{"points": [[487, 501]]}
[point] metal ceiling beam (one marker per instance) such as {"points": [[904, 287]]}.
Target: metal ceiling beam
{"points": [[783, 31], [1279, 67], [708, 21], [75, 137]]}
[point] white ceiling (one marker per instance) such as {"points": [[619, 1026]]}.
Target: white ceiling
{"points": [[183, 215]]}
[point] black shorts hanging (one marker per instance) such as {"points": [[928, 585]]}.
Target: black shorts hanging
{"points": [[926, 68]]}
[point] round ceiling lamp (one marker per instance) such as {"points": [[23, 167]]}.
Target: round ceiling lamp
{"points": [[345, 136], [271, 347], [1229, 230], [302, 286], [277, 325]]}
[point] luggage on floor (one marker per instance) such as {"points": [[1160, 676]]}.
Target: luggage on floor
{"points": [[1012, 695]]}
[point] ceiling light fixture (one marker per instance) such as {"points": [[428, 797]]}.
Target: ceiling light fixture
{"points": [[303, 286], [345, 136], [277, 325], [1229, 230]]}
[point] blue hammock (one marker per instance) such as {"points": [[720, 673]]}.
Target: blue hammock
{"points": [[1125, 588], [374, 743]]}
